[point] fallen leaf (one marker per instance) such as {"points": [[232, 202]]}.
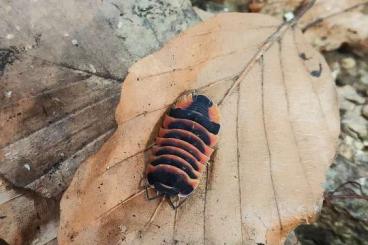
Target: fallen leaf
{"points": [[329, 23], [278, 136]]}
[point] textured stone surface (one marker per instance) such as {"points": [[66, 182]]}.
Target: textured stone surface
{"points": [[61, 68], [61, 64], [102, 37]]}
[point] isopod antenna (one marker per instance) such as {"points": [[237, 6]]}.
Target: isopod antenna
{"points": [[153, 216], [123, 202]]}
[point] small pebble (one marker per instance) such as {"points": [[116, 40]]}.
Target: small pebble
{"points": [[365, 111], [348, 140], [349, 93], [348, 63], [346, 151], [364, 79], [356, 123], [358, 145], [361, 156]]}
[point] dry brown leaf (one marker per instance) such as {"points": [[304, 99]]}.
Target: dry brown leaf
{"points": [[329, 23], [332, 23], [279, 130]]}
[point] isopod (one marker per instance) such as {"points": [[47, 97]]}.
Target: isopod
{"points": [[183, 147]]}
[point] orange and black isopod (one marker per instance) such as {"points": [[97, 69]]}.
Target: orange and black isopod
{"points": [[183, 146]]}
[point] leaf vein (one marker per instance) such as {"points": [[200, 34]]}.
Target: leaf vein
{"points": [[238, 164], [261, 60], [286, 94]]}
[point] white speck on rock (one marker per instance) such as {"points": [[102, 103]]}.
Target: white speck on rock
{"points": [[120, 24], [75, 42], [8, 94], [27, 166], [66, 34], [10, 36], [17, 27], [92, 68]]}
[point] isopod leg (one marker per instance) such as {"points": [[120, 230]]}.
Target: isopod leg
{"points": [[154, 197], [178, 203]]}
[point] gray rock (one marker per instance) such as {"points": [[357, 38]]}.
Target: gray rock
{"points": [[346, 150], [364, 78], [107, 35], [356, 123], [361, 156], [347, 92], [61, 68]]}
